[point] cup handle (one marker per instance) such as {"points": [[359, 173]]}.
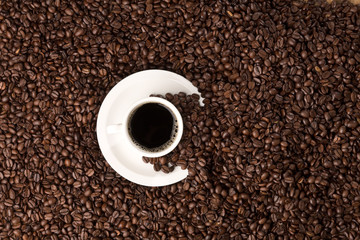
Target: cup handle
{"points": [[115, 128]]}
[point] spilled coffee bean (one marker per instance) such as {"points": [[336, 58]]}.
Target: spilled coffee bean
{"points": [[188, 106]]}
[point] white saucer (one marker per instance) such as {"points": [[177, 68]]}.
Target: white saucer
{"points": [[124, 159]]}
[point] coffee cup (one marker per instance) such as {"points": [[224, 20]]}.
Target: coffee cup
{"points": [[153, 126]]}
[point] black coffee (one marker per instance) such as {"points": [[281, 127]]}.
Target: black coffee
{"points": [[151, 125]]}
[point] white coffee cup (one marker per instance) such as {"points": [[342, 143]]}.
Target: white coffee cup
{"points": [[122, 128]]}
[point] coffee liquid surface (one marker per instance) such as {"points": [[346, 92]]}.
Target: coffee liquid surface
{"points": [[151, 125]]}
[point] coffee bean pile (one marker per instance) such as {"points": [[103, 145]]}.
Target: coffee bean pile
{"points": [[275, 155], [189, 108]]}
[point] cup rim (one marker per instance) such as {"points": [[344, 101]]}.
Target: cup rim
{"points": [[174, 111]]}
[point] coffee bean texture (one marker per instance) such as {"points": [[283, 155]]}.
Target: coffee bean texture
{"points": [[274, 153]]}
